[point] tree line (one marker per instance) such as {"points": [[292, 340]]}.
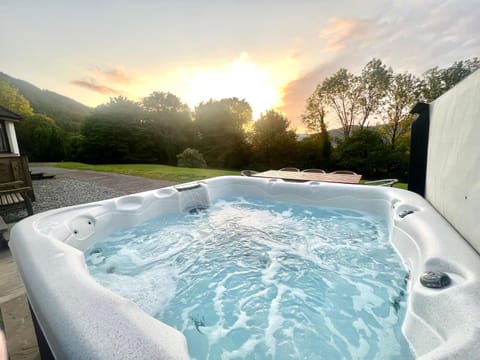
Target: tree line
{"points": [[379, 94], [371, 107]]}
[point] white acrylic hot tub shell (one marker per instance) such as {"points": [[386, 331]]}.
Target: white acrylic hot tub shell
{"points": [[81, 319]]}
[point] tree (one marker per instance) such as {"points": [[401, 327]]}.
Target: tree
{"points": [[341, 92], [433, 85], [74, 144], [114, 134], [315, 150], [274, 145], [169, 124], [364, 152], [314, 115], [403, 93], [221, 129], [240, 110], [437, 81], [11, 99], [163, 101], [374, 84], [325, 145], [40, 138]]}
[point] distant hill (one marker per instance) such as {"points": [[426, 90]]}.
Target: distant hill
{"points": [[67, 112], [338, 132], [334, 133]]}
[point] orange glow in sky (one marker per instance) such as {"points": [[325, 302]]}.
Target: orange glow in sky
{"points": [[243, 78], [261, 85], [271, 53]]}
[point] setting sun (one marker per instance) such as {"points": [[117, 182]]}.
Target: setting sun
{"points": [[243, 78]]}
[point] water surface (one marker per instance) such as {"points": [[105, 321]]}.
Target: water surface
{"points": [[248, 278]]}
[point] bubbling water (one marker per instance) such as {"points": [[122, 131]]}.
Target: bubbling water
{"points": [[248, 278]]}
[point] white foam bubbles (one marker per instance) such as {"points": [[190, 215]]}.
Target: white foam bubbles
{"points": [[254, 279]]}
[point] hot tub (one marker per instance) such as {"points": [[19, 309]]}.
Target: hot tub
{"points": [[81, 319]]}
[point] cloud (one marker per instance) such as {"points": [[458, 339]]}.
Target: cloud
{"points": [[115, 75], [91, 84], [341, 31], [409, 36], [99, 76]]}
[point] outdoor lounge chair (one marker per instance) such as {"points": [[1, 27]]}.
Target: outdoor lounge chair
{"points": [[290, 169], [248, 172], [321, 171], [343, 172], [382, 182]]}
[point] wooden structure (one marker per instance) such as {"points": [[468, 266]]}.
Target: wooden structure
{"points": [[15, 181], [310, 176], [8, 138], [14, 194], [15, 169]]}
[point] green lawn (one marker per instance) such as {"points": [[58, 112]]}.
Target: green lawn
{"points": [[399, 185], [403, 186], [162, 172]]}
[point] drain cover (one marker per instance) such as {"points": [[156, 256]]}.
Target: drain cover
{"points": [[435, 279]]}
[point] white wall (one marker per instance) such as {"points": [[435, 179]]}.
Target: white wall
{"points": [[12, 137], [453, 165]]}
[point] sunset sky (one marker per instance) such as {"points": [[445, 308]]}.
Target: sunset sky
{"points": [[272, 53]]}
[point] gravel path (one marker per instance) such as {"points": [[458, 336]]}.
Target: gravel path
{"points": [[73, 187], [57, 193]]}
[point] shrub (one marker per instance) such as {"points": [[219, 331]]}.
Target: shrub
{"points": [[191, 158]]}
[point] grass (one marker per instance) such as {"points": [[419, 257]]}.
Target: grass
{"points": [[403, 186], [399, 185], [163, 172]]}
